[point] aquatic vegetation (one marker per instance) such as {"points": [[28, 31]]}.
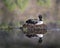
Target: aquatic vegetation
{"points": [[44, 2], [13, 4], [22, 4]]}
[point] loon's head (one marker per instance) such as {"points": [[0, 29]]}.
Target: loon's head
{"points": [[40, 20], [40, 17]]}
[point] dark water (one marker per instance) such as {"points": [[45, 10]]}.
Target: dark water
{"points": [[17, 39]]}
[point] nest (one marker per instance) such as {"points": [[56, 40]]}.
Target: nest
{"points": [[34, 29]]}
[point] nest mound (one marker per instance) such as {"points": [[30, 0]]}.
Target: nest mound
{"points": [[34, 29]]}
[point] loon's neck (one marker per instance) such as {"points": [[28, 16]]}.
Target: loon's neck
{"points": [[40, 19]]}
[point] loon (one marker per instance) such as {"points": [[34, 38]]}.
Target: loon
{"points": [[35, 21]]}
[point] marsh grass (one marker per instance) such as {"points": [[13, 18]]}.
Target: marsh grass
{"points": [[13, 4], [9, 27], [45, 3]]}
